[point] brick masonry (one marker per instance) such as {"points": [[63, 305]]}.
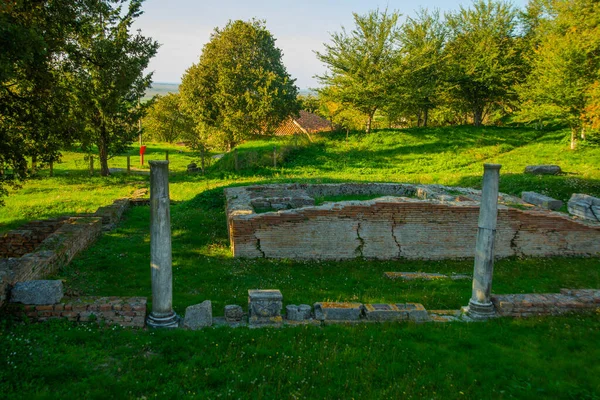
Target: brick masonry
{"points": [[124, 311], [40, 248], [437, 225], [527, 305]]}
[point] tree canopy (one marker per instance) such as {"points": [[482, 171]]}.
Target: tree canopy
{"points": [[360, 63], [240, 86]]}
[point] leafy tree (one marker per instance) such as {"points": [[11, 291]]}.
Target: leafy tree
{"points": [[35, 105], [240, 86], [107, 77], [361, 63], [564, 78], [166, 121], [484, 61], [421, 66]]}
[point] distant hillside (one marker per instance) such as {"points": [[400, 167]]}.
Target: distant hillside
{"points": [[163, 88]]}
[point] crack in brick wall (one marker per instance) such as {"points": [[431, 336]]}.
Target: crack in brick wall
{"points": [[395, 227]]}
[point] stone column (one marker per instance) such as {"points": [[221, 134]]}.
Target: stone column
{"points": [[162, 315], [480, 305]]}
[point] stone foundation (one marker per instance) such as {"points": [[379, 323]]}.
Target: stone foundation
{"points": [[440, 223], [124, 311], [57, 250], [40, 248], [527, 305]]}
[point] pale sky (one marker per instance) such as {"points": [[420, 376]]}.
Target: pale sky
{"points": [[182, 27]]}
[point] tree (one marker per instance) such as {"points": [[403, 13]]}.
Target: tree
{"points": [[240, 86], [166, 121], [35, 103], [360, 63], [484, 61], [420, 66], [107, 77], [565, 66]]}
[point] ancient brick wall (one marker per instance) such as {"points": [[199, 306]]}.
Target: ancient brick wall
{"points": [[124, 311], [390, 228], [24, 240], [58, 249], [527, 305]]}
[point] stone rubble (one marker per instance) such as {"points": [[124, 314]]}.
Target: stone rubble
{"points": [[198, 316], [540, 200]]}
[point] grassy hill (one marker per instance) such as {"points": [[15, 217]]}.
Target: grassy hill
{"points": [[505, 358]]}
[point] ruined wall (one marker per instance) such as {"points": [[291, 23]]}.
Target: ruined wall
{"points": [[58, 249], [392, 227], [25, 239]]}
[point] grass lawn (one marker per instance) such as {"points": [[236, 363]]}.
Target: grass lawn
{"points": [[537, 358]]}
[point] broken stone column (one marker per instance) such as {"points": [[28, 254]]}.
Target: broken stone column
{"points": [[162, 315], [480, 305]]}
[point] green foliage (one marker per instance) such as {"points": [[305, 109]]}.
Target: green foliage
{"points": [[107, 77], [420, 68], [166, 121], [484, 60], [564, 66], [35, 105], [361, 64], [240, 87]]}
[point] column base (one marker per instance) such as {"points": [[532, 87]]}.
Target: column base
{"points": [[479, 311], [163, 321]]}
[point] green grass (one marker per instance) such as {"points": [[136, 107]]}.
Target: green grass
{"points": [[529, 359], [537, 358]]}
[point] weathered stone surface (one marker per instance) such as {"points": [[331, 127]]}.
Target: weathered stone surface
{"points": [[265, 306], [198, 316], [328, 311], [409, 276], [416, 312], [298, 313], [37, 292], [233, 313], [530, 304], [541, 201], [385, 312], [543, 169], [584, 206], [394, 227]]}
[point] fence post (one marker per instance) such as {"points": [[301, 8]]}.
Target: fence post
{"points": [[51, 168], [167, 155], [91, 165], [274, 156], [128, 164]]}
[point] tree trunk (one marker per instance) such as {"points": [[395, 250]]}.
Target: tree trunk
{"points": [[103, 152], [419, 121], [425, 117], [370, 121], [477, 115], [573, 138]]}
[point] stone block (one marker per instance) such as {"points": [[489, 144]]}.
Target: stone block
{"points": [[409, 276], [543, 169], [233, 313], [37, 292], [584, 206], [385, 312], [416, 312], [265, 306], [298, 313], [541, 201], [198, 316], [327, 311]]}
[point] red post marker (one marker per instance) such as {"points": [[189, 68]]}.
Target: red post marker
{"points": [[142, 151]]}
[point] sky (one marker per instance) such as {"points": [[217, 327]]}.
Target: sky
{"points": [[182, 27]]}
